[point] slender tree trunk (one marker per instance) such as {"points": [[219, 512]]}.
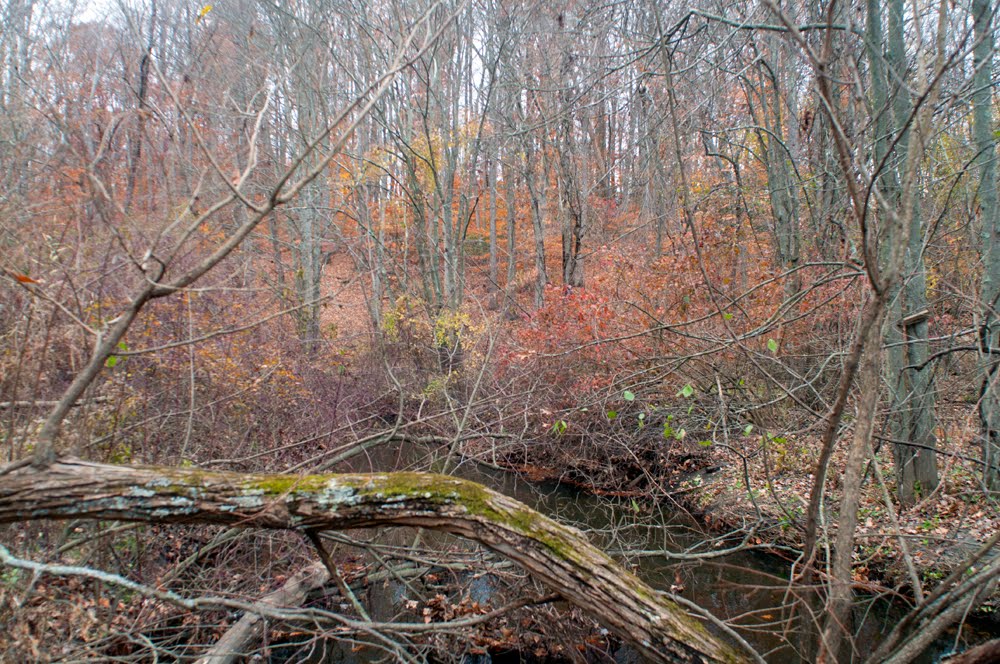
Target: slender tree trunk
{"points": [[571, 204], [510, 196], [781, 185], [837, 628], [17, 19], [136, 138], [494, 285], [913, 389], [986, 148], [888, 182], [536, 190], [309, 269], [426, 234]]}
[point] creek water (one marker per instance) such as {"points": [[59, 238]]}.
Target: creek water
{"points": [[750, 589]]}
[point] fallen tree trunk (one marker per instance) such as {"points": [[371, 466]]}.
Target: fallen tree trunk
{"points": [[981, 654], [555, 554], [242, 637]]}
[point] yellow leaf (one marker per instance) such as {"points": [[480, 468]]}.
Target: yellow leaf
{"points": [[201, 13]]}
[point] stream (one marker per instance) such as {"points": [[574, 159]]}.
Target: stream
{"points": [[747, 587]]}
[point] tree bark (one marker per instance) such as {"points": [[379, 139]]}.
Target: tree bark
{"points": [[837, 628], [241, 638], [913, 389], [135, 139], [555, 554], [536, 190], [982, 654], [986, 147], [510, 194], [570, 198]]}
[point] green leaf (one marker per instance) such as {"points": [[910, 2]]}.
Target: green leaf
{"points": [[680, 434], [635, 506], [772, 345], [612, 414], [705, 443], [747, 429], [727, 316], [686, 391], [628, 395], [642, 416], [559, 427], [113, 360]]}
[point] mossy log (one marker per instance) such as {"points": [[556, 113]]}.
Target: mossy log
{"points": [[555, 554]]}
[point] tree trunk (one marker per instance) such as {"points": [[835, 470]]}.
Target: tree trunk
{"points": [[491, 182], [309, 271], [782, 190], [555, 554], [240, 639], [837, 628], [570, 198], [982, 654], [989, 404], [510, 197], [536, 190], [913, 398], [135, 138]]}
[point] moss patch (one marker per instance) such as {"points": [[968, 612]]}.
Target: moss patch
{"points": [[331, 490]]}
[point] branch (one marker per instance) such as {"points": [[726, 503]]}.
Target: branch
{"points": [[42, 403], [239, 639]]}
